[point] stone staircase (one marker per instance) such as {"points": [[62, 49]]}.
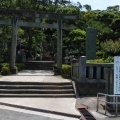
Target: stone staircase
{"points": [[39, 65], [36, 89]]}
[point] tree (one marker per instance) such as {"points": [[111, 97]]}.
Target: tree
{"points": [[77, 40], [79, 5], [105, 21], [113, 8], [87, 7], [7, 4]]}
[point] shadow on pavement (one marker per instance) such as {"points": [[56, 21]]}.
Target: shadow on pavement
{"points": [[40, 110]]}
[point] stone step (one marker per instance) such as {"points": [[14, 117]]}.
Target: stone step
{"points": [[36, 91], [39, 65], [38, 68], [33, 83], [35, 87], [39, 95]]}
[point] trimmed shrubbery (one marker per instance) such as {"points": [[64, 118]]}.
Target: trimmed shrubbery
{"points": [[96, 61], [111, 47], [5, 70], [3, 65], [66, 71], [109, 59], [20, 66]]}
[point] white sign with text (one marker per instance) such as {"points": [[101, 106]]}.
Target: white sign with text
{"points": [[117, 75]]}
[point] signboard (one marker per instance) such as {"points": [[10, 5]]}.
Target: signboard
{"points": [[117, 75]]}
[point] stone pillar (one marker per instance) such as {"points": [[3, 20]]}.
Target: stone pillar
{"points": [[91, 43], [59, 47], [109, 79], [13, 45], [82, 69], [74, 71]]}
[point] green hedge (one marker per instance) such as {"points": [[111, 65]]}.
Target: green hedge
{"points": [[3, 65], [5, 70], [109, 59], [20, 66], [66, 71], [111, 47], [96, 61]]}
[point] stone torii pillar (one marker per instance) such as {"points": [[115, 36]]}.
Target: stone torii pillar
{"points": [[59, 47], [91, 43], [13, 45]]}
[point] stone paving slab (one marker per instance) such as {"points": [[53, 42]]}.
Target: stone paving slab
{"points": [[35, 76], [36, 72]]}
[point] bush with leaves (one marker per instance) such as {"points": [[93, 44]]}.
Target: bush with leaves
{"points": [[3, 65], [20, 66], [96, 61], [110, 47], [66, 71], [5, 71], [77, 40], [110, 59], [100, 54]]}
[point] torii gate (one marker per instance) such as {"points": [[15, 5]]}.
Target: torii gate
{"points": [[15, 22]]}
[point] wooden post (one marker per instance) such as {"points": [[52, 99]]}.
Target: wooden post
{"points": [[13, 45], [59, 47]]}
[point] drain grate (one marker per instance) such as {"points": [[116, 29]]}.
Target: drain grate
{"points": [[85, 114]]}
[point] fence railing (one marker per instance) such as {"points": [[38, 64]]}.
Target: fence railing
{"points": [[89, 72], [114, 103]]}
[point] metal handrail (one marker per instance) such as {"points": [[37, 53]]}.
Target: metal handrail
{"points": [[106, 101]]}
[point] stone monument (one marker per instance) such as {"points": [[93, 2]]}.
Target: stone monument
{"points": [[91, 43]]}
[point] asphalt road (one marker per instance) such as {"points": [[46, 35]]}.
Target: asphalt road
{"points": [[14, 115]]}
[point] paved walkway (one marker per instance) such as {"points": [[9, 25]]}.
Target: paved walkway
{"points": [[41, 108], [37, 106], [91, 103]]}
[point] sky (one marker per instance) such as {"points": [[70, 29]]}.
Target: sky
{"points": [[98, 4]]}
